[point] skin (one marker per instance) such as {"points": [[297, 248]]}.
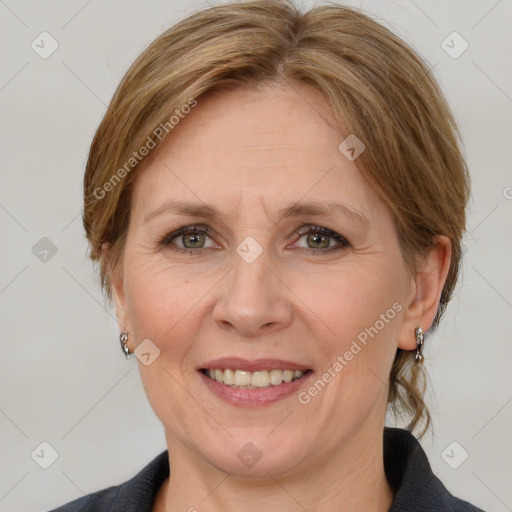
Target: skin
{"points": [[250, 153]]}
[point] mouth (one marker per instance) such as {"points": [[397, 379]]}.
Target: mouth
{"points": [[245, 383], [244, 379]]}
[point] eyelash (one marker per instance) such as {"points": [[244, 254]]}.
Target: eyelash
{"points": [[306, 230]]}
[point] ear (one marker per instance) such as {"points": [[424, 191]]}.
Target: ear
{"points": [[426, 288], [118, 293]]}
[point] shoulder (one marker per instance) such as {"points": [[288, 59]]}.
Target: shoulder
{"points": [[104, 499], [410, 475], [136, 494]]}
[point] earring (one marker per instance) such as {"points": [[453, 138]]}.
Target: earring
{"points": [[123, 339], [420, 338]]}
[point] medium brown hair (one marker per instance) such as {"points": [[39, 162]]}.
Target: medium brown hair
{"points": [[377, 87]]}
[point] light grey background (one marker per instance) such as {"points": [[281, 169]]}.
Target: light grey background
{"points": [[63, 378]]}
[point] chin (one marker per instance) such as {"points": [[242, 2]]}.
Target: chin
{"points": [[256, 454]]}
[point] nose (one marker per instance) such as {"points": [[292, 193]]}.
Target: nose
{"points": [[254, 299]]}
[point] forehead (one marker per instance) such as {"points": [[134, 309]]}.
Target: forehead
{"points": [[274, 144]]}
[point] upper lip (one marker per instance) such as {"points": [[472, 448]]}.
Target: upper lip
{"points": [[255, 365]]}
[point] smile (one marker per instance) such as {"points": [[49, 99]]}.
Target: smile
{"points": [[253, 383], [244, 379]]}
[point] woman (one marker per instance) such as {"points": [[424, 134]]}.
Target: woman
{"points": [[277, 201]]}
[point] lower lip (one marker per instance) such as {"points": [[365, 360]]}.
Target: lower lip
{"points": [[253, 397]]}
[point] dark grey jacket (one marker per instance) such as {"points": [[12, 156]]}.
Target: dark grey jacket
{"points": [[407, 468]]}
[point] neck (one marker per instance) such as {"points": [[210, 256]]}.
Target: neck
{"points": [[351, 480]]}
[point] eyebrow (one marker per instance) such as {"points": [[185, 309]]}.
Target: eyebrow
{"points": [[297, 209]]}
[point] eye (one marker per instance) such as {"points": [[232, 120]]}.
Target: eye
{"points": [[321, 239], [195, 238], [187, 238]]}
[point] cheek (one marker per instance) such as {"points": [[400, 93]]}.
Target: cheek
{"points": [[156, 299], [359, 316], [160, 305], [354, 300]]}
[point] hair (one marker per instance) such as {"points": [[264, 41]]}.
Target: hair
{"points": [[378, 88]]}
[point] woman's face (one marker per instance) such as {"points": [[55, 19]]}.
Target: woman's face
{"points": [[266, 281]]}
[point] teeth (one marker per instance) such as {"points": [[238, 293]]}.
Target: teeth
{"points": [[242, 378], [260, 379], [252, 380], [276, 377], [219, 375], [229, 377]]}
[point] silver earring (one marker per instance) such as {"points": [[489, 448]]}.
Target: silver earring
{"points": [[420, 338], [123, 339]]}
